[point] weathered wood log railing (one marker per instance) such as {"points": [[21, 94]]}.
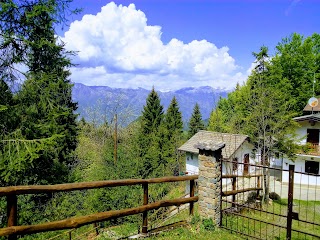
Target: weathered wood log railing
{"points": [[234, 190], [11, 194]]}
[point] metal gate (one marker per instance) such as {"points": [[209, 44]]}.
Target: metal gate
{"points": [[291, 212]]}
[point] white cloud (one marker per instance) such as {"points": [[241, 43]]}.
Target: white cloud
{"points": [[117, 48]]}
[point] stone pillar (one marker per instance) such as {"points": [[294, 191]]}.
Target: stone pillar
{"points": [[209, 182]]}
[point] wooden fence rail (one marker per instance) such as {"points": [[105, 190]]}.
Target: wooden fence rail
{"points": [[234, 191], [11, 193]]}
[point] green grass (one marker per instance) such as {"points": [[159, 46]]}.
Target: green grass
{"points": [[308, 211], [195, 228]]}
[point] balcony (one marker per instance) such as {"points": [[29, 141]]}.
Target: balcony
{"points": [[310, 149]]}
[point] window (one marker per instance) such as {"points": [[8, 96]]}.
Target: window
{"points": [[312, 167], [313, 136]]}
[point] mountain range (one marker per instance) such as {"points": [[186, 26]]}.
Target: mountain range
{"points": [[100, 103]]}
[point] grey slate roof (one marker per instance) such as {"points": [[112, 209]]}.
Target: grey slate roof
{"points": [[232, 141]]}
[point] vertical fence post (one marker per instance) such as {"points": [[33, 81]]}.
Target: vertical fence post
{"points": [[145, 214], [234, 187], [192, 185], [12, 213], [95, 226], [258, 185], [290, 201]]}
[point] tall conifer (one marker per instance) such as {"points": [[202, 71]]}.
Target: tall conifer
{"points": [[195, 122], [173, 118], [47, 127], [150, 143]]}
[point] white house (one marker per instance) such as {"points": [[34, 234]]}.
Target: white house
{"points": [[237, 150], [307, 162]]}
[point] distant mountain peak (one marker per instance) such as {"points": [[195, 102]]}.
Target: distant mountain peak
{"points": [[98, 98]]}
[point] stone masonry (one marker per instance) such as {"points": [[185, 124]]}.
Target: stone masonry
{"points": [[209, 182]]}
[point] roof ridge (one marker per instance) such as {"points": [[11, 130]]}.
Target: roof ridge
{"points": [[234, 134]]}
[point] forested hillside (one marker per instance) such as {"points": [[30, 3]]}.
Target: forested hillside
{"points": [[277, 90]]}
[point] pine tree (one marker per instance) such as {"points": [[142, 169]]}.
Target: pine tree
{"points": [[46, 135], [7, 120], [195, 122], [152, 113], [172, 128], [45, 101], [173, 119], [150, 141]]}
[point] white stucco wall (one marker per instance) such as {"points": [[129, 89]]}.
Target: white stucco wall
{"points": [[302, 130], [300, 178], [192, 164], [299, 162], [245, 148]]}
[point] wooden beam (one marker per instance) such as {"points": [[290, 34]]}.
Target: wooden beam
{"points": [[229, 193], [76, 222], [12, 209], [145, 214], [20, 190], [192, 190], [243, 176]]}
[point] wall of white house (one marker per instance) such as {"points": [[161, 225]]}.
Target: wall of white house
{"points": [[192, 164], [302, 131], [300, 163], [245, 148]]}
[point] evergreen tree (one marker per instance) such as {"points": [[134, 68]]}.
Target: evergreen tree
{"points": [[46, 102], [173, 119], [47, 129], [152, 113], [150, 136], [173, 126], [195, 122], [7, 120]]}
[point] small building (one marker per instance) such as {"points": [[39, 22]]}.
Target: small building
{"points": [[307, 160], [237, 150]]}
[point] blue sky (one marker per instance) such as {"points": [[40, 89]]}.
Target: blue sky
{"points": [[180, 43]]}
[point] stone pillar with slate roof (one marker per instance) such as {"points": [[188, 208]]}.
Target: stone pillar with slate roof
{"points": [[209, 182]]}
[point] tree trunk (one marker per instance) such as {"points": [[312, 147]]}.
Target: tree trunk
{"points": [[266, 176]]}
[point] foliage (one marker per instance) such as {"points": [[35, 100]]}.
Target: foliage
{"points": [[151, 136], [208, 224], [195, 122], [22, 27], [275, 92], [173, 119], [43, 108], [195, 219], [152, 114]]}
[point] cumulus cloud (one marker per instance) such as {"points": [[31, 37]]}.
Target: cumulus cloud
{"points": [[117, 48]]}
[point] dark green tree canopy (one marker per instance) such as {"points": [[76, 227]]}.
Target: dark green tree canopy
{"points": [[195, 122], [152, 113], [45, 134], [275, 92], [173, 118], [24, 25]]}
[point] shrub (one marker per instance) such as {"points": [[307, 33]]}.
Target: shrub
{"points": [[208, 224]]}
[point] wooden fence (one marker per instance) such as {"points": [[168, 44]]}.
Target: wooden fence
{"points": [[12, 230]]}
